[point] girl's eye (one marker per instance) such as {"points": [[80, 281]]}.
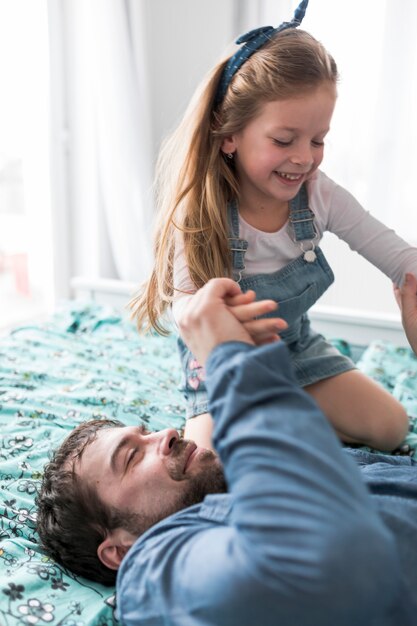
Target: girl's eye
{"points": [[318, 144], [282, 144]]}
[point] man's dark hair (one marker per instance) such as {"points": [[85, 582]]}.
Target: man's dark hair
{"points": [[72, 520]]}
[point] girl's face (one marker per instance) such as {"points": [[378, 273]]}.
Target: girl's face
{"points": [[282, 147]]}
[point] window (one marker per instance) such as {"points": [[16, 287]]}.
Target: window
{"points": [[26, 275]]}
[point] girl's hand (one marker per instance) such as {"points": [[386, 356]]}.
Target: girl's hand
{"points": [[406, 297], [246, 309]]}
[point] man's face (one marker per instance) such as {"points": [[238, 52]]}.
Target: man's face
{"points": [[149, 474]]}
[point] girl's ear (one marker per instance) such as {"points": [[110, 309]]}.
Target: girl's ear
{"points": [[112, 550], [228, 145]]}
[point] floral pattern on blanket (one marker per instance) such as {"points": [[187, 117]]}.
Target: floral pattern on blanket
{"points": [[86, 361], [395, 368]]}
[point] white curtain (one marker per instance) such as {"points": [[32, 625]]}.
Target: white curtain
{"points": [[371, 144], [105, 129], [370, 149]]}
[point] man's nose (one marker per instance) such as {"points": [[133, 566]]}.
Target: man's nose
{"points": [[168, 437]]}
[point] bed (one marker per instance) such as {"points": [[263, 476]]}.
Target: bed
{"points": [[87, 360]]}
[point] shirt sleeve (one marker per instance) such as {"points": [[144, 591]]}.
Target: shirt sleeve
{"points": [[296, 500], [303, 538], [377, 243]]}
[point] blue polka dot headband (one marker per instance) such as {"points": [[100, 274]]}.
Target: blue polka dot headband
{"points": [[253, 40]]}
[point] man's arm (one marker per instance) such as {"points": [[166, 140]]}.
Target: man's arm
{"points": [[305, 526], [261, 330], [304, 544], [295, 492]]}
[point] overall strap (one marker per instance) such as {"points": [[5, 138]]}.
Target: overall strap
{"points": [[302, 222], [302, 217], [237, 246]]}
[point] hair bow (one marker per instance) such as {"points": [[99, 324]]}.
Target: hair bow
{"points": [[253, 40]]}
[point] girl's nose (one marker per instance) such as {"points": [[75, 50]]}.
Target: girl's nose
{"points": [[303, 157]]}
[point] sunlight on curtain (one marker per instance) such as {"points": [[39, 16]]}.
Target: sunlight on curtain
{"points": [[109, 128], [370, 148], [371, 145], [26, 278]]}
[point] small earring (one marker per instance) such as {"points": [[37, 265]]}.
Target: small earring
{"points": [[230, 156]]}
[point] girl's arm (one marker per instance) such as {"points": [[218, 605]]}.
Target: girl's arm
{"points": [[372, 239]]}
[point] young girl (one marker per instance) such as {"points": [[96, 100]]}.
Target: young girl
{"points": [[240, 194]]}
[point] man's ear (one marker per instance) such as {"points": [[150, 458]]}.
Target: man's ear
{"points": [[113, 548]]}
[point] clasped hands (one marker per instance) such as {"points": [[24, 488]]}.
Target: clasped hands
{"points": [[220, 312]]}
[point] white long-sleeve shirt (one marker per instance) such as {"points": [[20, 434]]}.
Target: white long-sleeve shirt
{"points": [[336, 211]]}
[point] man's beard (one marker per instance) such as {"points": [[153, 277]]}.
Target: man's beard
{"points": [[209, 479]]}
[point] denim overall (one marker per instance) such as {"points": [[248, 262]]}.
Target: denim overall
{"points": [[296, 287]]}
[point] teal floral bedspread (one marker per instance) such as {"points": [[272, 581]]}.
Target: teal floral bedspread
{"points": [[88, 361], [85, 362], [395, 369]]}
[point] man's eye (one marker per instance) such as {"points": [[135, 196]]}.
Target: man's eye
{"points": [[130, 457], [318, 144]]}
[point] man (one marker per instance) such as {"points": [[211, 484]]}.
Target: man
{"points": [[296, 540]]}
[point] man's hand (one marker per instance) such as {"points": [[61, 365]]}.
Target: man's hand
{"points": [[208, 320], [406, 297]]}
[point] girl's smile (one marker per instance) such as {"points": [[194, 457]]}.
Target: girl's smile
{"points": [[289, 179]]}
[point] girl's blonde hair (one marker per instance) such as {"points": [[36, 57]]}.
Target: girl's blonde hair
{"points": [[195, 182]]}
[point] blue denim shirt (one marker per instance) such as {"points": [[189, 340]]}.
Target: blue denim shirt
{"points": [[297, 541]]}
